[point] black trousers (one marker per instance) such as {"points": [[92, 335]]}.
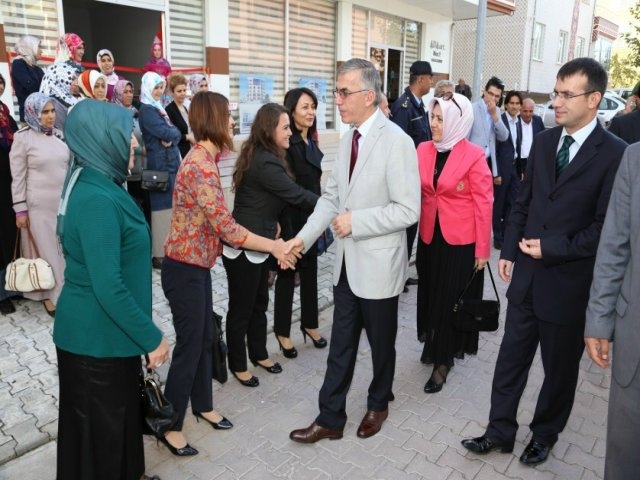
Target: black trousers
{"points": [[188, 290], [351, 314], [100, 419], [283, 299], [246, 317], [503, 197], [412, 231], [561, 348]]}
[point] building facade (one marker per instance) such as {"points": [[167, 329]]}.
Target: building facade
{"points": [[254, 50], [526, 49]]}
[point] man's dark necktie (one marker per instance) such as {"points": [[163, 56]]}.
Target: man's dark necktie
{"points": [[354, 151], [562, 160]]}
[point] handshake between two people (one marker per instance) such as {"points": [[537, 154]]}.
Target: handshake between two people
{"points": [[288, 253]]}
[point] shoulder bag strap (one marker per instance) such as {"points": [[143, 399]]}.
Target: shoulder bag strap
{"points": [[473, 275]]}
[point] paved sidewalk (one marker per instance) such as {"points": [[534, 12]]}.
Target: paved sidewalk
{"points": [[420, 439]]}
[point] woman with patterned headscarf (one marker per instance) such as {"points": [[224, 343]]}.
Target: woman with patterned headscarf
{"points": [[106, 63], [60, 82], [25, 74], [197, 83], [71, 51], [104, 321], [93, 84], [7, 218], [39, 162], [157, 63], [161, 140], [455, 231]]}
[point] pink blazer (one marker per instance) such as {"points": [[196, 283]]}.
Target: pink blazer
{"points": [[463, 199]]}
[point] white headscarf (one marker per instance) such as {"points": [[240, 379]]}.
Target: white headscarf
{"points": [[457, 119], [150, 80], [113, 77], [27, 47]]}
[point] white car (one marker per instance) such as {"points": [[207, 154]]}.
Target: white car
{"points": [[609, 107]]}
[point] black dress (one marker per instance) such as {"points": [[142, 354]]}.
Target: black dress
{"points": [[443, 271], [8, 227]]}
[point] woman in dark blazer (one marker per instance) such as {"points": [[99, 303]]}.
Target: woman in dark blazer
{"points": [[263, 187], [161, 139], [25, 74], [178, 113], [455, 229], [304, 161]]}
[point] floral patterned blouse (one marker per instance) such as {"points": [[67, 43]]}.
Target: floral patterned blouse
{"points": [[200, 220]]}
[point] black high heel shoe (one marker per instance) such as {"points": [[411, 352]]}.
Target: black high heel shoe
{"points": [[223, 424], [287, 352], [275, 368], [320, 343], [185, 451], [439, 373], [252, 382]]}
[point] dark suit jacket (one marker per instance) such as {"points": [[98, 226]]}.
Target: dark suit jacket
{"points": [[265, 190], [178, 121], [537, 126], [567, 216], [506, 152], [305, 164], [627, 127]]}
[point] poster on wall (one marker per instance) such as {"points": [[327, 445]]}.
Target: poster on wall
{"points": [[255, 91], [319, 87]]}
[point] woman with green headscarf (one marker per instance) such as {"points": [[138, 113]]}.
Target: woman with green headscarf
{"points": [[103, 321]]}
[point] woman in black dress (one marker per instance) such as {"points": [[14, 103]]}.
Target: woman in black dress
{"points": [[7, 215], [455, 229]]}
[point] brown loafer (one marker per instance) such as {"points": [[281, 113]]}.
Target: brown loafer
{"points": [[372, 423], [313, 433]]}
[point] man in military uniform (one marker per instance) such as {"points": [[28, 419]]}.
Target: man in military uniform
{"points": [[408, 113]]}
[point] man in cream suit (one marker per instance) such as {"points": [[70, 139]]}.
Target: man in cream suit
{"points": [[613, 314], [487, 128], [373, 195]]}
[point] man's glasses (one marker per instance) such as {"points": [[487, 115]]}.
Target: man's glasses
{"points": [[449, 96], [568, 96], [344, 92]]}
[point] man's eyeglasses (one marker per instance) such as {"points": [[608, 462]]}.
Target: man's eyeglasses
{"points": [[568, 96], [344, 92], [449, 96]]}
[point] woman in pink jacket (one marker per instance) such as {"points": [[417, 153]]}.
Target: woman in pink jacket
{"points": [[455, 230]]}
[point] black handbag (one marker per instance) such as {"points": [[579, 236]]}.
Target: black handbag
{"points": [[157, 412], [324, 241], [155, 180], [473, 315], [219, 371]]}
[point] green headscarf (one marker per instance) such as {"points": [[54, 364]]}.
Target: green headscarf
{"points": [[99, 136]]}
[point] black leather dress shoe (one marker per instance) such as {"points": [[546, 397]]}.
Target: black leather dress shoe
{"points": [[484, 444], [313, 433], [535, 453]]}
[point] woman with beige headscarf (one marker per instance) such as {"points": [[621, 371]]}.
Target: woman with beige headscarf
{"points": [[25, 74], [455, 229]]}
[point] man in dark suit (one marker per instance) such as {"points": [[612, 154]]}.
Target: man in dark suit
{"points": [[531, 125], [505, 190], [552, 236], [409, 114], [627, 126]]}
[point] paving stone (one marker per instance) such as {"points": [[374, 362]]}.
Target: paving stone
{"points": [[27, 435]]}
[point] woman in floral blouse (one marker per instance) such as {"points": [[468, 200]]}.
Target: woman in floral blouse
{"points": [[200, 222]]}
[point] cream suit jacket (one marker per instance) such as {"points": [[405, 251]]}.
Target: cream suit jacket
{"points": [[383, 197]]}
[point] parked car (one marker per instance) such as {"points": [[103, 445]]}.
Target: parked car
{"points": [[609, 107], [624, 93]]}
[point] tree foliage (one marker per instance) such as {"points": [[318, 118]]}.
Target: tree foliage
{"points": [[633, 38], [622, 72]]}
